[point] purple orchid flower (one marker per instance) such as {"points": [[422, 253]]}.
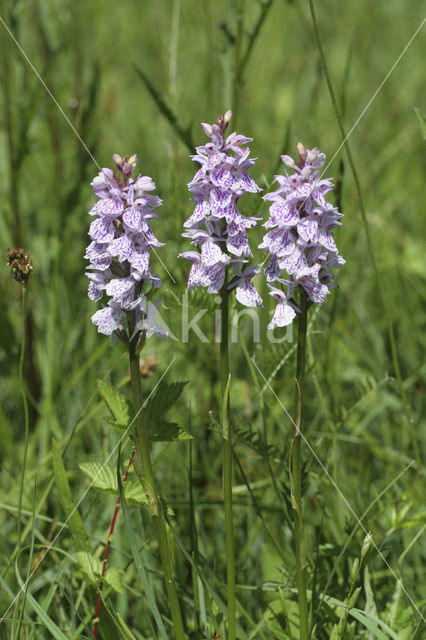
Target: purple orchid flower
{"points": [[299, 239], [121, 241], [216, 227]]}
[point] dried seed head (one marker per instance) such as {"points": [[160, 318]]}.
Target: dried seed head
{"points": [[20, 265]]}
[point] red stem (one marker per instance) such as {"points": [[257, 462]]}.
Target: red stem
{"points": [[107, 548]]}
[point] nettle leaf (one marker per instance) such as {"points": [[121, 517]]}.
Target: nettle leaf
{"points": [[134, 493], [166, 431], [90, 565], [164, 399], [114, 578], [102, 476], [113, 422], [92, 568], [116, 403]]}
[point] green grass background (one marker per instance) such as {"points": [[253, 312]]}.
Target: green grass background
{"points": [[355, 418]]}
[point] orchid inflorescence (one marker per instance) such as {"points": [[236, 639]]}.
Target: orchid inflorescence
{"points": [[301, 251], [299, 239], [119, 253], [216, 226]]}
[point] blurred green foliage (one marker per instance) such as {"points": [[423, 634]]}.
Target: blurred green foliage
{"points": [[86, 53]]}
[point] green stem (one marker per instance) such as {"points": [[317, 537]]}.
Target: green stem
{"points": [[237, 57], [10, 127], [296, 473], [143, 466], [264, 8], [25, 403], [227, 461], [383, 301]]}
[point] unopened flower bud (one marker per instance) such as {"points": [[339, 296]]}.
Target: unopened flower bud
{"points": [[312, 155], [118, 160], [224, 119], [288, 160], [303, 152], [133, 160], [227, 117]]}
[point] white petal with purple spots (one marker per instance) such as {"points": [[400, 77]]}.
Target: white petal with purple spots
{"points": [[102, 230]]}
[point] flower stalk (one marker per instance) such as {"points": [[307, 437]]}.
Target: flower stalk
{"points": [[296, 470], [227, 461], [21, 267], [219, 231], [143, 467], [119, 254]]}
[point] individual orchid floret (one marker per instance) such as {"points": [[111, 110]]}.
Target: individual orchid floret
{"points": [[216, 227], [121, 242], [299, 240]]}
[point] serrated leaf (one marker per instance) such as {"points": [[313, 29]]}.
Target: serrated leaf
{"points": [[164, 399], [422, 122], [116, 403], [113, 422], [114, 578], [102, 476], [134, 493], [92, 568], [163, 431], [90, 565]]}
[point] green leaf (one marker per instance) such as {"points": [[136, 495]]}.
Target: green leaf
{"points": [[44, 618], [167, 431], [116, 403], [92, 568], [422, 122], [134, 493], [90, 565], [164, 399], [114, 578], [78, 531], [102, 476], [113, 422]]}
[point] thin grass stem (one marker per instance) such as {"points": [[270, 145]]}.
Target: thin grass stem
{"points": [[237, 78]]}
